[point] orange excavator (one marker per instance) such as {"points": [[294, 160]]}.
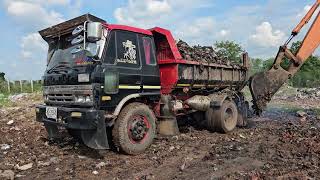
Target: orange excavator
{"points": [[265, 84]]}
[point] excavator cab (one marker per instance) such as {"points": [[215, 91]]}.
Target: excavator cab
{"points": [[264, 85]]}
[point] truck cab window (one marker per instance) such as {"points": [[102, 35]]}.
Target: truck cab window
{"points": [[148, 51], [110, 53], [128, 54]]}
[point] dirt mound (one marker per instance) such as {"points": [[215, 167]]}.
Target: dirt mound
{"points": [[308, 93], [299, 93], [200, 53]]}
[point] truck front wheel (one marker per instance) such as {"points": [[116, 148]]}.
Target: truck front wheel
{"points": [[135, 129]]}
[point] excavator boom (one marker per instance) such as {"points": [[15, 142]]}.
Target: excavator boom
{"points": [[306, 18], [265, 84]]}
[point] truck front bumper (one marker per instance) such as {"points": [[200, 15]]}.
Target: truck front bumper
{"points": [[72, 118], [90, 124]]}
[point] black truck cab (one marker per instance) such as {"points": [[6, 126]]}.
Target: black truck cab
{"points": [[84, 86]]}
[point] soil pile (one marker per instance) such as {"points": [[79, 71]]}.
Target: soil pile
{"points": [[299, 94], [310, 93], [200, 53]]}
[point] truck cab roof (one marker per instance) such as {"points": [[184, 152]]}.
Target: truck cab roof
{"points": [[67, 26]]}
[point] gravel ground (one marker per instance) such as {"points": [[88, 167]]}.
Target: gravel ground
{"points": [[277, 145]]}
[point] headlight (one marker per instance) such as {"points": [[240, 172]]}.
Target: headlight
{"points": [[89, 99], [80, 99], [84, 99]]}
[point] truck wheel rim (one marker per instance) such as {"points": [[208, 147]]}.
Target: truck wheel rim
{"points": [[228, 117], [138, 129]]}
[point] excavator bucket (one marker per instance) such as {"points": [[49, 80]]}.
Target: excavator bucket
{"points": [[264, 85]]}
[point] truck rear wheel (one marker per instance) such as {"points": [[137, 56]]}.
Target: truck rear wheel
{"points": [[223, 119], [210, 120], [135, 129]]}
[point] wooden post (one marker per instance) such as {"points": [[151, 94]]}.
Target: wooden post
{"points": [[20, 86], [31, 85], [9, 90]]}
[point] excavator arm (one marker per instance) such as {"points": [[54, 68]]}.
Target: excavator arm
{"points": [[265, 84]]}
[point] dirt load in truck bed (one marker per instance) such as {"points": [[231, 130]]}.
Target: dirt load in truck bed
{"points": [[278, 145], [200, 53]]}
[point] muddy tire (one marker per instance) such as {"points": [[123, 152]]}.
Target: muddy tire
{"points": [[210, 122], [223, 119], [226, 117], [134, 129]]}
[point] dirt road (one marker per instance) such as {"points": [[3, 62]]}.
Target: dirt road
{"points": [[278, 144]]}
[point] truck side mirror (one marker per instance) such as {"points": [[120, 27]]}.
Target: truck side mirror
{"points": [[94, 31], [111, 81]]}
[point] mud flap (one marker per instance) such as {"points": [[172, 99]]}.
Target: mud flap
{"points": [[52, 130], [96, 139]]}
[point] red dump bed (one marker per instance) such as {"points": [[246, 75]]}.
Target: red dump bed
{"points": [[176, 72]]}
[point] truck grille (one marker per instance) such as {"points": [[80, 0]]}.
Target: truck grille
{"points": [[67, 94], [61, 97]]}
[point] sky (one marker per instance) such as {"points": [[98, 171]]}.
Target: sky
{"points": [[260, 26]]}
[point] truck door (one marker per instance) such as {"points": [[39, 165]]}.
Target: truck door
{"points": [[123, 53], [150, 69]]}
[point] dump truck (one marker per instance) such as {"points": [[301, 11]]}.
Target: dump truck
{"points": [[116, 85]]}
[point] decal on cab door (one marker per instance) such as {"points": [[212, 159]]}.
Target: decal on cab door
{"points": [[130, 53]]}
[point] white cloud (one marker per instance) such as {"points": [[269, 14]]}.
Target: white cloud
{"points": [[52, 2], [142, 12], [197, 31], [150, 13], [32, 45], [224, 32], [305, 11], [198, 27], [26, 54], [32, 14], [13, 65], [265, 36], [42, 2], [158, 7], [164, 13]]}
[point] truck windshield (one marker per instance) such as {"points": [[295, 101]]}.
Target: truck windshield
{"points": [[61, 56], [62, 52]]}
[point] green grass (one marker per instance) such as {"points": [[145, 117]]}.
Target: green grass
{"points": [[4, 101], [292, 109], [285, 107], [247, 93], [286, 90], [15, 87]]}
